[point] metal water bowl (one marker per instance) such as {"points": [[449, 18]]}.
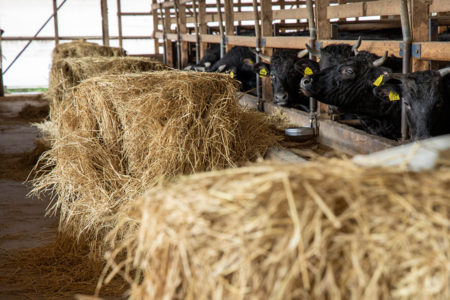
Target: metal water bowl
{"points": [[299, 134]]}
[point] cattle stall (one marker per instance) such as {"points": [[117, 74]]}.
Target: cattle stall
{"points": [[179, 25]]}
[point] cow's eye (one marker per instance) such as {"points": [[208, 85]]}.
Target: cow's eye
{"points": [[349, 71]]}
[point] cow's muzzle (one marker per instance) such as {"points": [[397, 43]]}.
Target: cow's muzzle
{"points": [[306, 85], [280, 98]]}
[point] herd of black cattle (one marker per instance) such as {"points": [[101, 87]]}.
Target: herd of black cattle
{"points": [[355, 83]]}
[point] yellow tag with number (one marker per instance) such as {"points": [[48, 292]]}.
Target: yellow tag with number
{"points": [[232, 74], [379, 81], [308, 71], [263, 72], [393, 96], [250, 61]]}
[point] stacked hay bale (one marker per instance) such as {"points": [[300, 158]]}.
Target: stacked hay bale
{"points": [[320, 230], [120, 134]]}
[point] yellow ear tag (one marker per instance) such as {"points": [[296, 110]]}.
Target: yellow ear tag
{"points": [[250, 61], [379, 81], [232, 74], [393, 96], [263, 72], [308, 71]]}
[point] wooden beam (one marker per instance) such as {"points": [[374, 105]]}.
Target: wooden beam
{"points": [[362, 9], [286, 42], [440, 6], [170, 52], [229, 20], [419, 14], [266, 30], [246, 41], [298, 13], [119, 22], [323, 33], [203, 28], [155, 26], [210, 38], [183, 30], [435, 51], [105, 25], [55, 22]]}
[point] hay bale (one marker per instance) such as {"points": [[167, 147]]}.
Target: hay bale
{"points": [[81, 48], [69, 72], [119, 134], [318, 230]]}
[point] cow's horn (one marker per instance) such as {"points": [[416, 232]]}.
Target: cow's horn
{"points": [[444, 71], [356, 46], [302, 53], [398, 76], [221, 68], [314, 52], [381, 60], [265, 58], [207, 64]]}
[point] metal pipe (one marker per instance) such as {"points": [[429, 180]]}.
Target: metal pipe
{"points": [[164, 33], [312, 35], [2, 90], [406, 67], [177, 16], [258, 51], [29, 42], [197, 36], [222, 40]]}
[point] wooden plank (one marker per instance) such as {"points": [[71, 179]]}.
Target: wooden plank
{"points": [[362, 9], [383, 8], [55, 22], [188, 38], [435, 51], [345, 11], [298, 13], [183, 30], [105, 24], [419, 29], [286, 42], [229, 20], [246, 41], [377, 47], [266, 30], [440, 6], [155, 26], [323, 33], [337, 136], [172, 36], [203, 27], [210, 38]]}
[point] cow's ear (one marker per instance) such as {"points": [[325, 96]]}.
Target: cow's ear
{"points": [[304, 68], [248, 62], [388, 92], [262, 69]]}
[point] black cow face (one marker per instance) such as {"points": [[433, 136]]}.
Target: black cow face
{"points": [[348, 85], [286, 70], [424, 97]]}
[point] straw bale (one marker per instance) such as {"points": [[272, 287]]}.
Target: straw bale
{"points": [[81, 48], [320, 230], [117, 135], [69, 72]]}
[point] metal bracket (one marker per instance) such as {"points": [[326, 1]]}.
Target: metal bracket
{"points": [[263, 42], [416, 50]]}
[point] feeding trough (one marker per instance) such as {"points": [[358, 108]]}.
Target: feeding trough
{"points": [[299, 134]]}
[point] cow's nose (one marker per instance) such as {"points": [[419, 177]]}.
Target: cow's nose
{"points": [[306, 82], [280, 98]]}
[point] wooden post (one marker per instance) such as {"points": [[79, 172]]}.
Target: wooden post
{"points": [[2, 91], [105, 25], [155, 26], [183, 30], [202, 24], [55, 21], [119, 22], [170, 59], [229, 20], [323, 33], [419, 14], [266, 30]]}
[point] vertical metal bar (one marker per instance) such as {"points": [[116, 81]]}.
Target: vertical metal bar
{"points": [[177, 16], [258, 51], [55, 21], [2, 90], [406, 67], [312, 35], [119, 22], [105, 26], [197, 36], [222, 34]]}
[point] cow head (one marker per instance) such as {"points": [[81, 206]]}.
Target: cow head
{"points": [[334, 54], [348, 84], [286, 68], [424, 94]]}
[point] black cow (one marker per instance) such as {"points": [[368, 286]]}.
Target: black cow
{"points": [[427, 98], [349, 86], [286, 68], [212, 54], [234, 63]]}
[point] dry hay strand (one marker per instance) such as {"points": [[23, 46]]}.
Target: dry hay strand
{"points": [[81, 48], [60, 269], [118, 135], [33, 112], [69, 72], [319, 230]]}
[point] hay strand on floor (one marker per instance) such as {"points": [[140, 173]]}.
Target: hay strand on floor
{"points": [[319, 230]]}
